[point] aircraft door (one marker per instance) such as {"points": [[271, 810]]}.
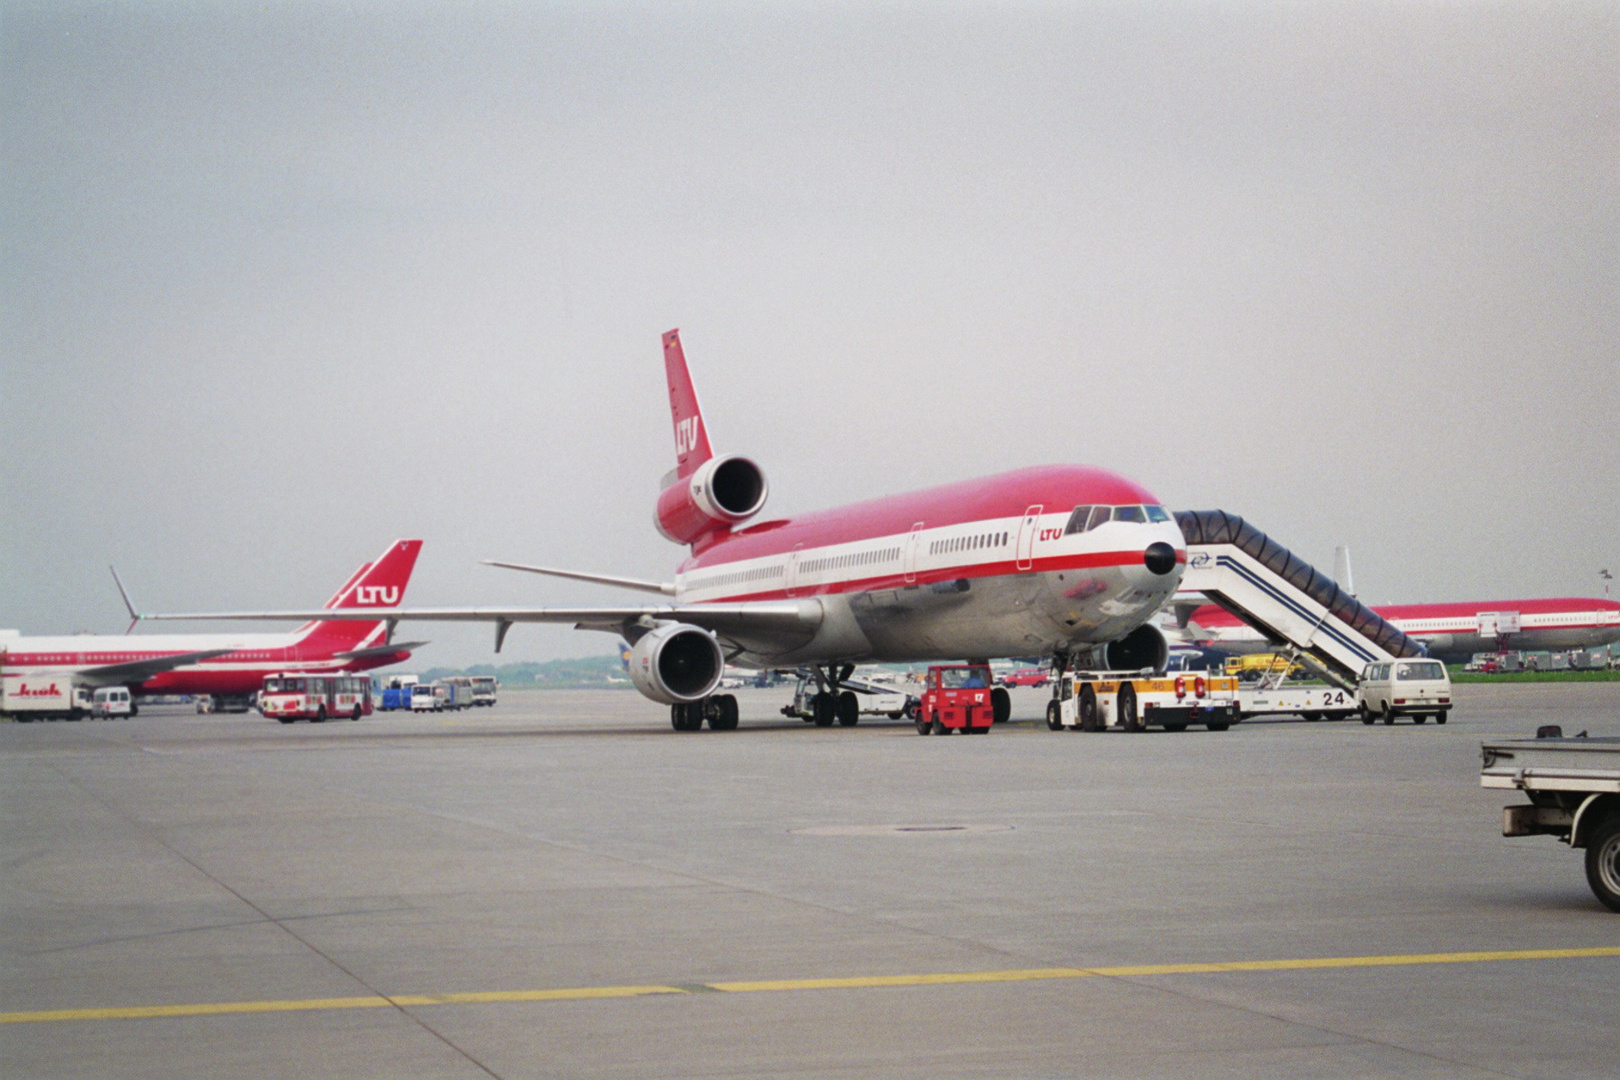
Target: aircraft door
{"points": [[911, 553], [791, 579], [1026, 537]]}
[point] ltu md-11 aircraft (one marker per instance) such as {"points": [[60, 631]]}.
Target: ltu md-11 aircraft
{"points": [[47, 675], [1060, 560]]}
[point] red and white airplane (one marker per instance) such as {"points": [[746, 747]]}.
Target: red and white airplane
{"points": [[41, 673], [1055, 560], [1455, 631]]}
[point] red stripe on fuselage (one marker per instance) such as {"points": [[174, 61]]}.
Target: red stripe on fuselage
{"points": [[999, 568]]}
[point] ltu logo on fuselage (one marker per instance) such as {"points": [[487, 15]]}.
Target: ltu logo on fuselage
{"points": [[368, 595], [686, 436]]}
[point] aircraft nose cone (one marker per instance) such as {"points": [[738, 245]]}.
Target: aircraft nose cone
{"points": [[1159, 557]]}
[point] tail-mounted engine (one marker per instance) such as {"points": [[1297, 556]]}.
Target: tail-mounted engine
{"points": [[1144, 647], [676, 663], [724, 491]]}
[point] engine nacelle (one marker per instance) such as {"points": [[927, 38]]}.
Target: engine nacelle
{"points": [[676, 663], [722, 492], [1144, 647]]}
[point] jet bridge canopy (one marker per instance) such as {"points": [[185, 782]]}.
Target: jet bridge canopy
{"points": [[1261, 582]]}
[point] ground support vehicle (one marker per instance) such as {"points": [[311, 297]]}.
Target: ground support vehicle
{"points": [[26, 698], [956, 697], [429, 697], [1310, 702], [396, 693], [111, 703], [1419, 688], [1035, 677], [1574, 789], [1134, 701], [871, 699], [484, 688], [315, 698]]}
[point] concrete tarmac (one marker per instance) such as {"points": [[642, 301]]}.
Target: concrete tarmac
{"points": [[562, 886]]}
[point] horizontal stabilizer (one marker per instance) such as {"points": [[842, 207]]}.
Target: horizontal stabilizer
{"points": [[379, 650]]}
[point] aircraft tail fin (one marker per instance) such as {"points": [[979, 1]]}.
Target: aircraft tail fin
{"points": [[691, 436], [376, 584]]}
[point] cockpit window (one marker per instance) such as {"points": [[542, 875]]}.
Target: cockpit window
{"points": [[1099, 514], [1077, 521], [1157, 513], [1130, 513]]}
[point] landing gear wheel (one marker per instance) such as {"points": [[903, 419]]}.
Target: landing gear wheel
{"points": [[825, 708], [1000, 705], [686, 715], [1603, 861], [1054, 716], [1129, 719], [720, 711], [1089, 720], [849, 709]]}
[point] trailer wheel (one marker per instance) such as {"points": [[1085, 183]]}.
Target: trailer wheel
{"points": [[1125, 705], [1054, 717], [1089, 720], [1603, 861]]}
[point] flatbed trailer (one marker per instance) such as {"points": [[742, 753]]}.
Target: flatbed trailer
{"points": [[1573, 785], [1135, 701], [1311, 702]]}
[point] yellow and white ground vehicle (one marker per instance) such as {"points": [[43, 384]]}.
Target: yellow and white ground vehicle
{"points": [[1133, 701]]}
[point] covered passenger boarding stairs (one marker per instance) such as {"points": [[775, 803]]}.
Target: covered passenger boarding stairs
{"points": [[1292, 603]]}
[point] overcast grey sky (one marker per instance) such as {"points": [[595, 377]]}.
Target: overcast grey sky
{"points": [[284, 282]]}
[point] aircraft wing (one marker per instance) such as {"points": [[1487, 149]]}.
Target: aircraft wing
{"points": [[138, 671], [764, 625]]}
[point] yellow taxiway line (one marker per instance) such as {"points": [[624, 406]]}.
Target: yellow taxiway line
{"points": [[853, 982]]}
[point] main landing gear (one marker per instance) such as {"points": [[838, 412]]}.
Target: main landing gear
{"points": [[831, 703], [718, 710]]}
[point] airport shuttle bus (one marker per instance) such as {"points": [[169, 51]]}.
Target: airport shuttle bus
{"points": [[292, 697]]}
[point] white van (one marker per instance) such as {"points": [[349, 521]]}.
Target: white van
{"points": [[1419, 688], [429, 697], [109, 702]]}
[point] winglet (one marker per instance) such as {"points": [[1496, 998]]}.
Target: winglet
{"points": [[691, 436], [133, 617]]}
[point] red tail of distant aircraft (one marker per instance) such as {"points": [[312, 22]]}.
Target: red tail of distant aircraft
{"points": [[1054, 560], [228, 666]]}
